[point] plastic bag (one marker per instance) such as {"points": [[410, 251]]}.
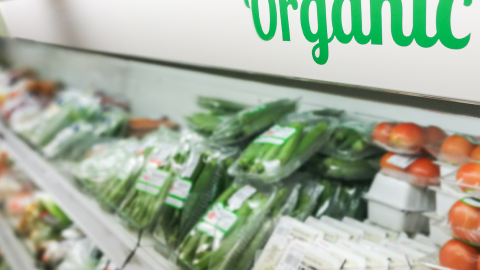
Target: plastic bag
{"points": [[345, 170], [309, 194], [204, 123], [225, 230], [284, 147], [456, 149], [404, 138], [249, 122], [193, 191], [340, 199], [414, 170], [348, 141], [464, 180], [82, 256], [461, 219], [219, 106], [455, 254]]}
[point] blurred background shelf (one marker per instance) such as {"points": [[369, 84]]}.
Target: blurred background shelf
{"points": [[108, 234]]}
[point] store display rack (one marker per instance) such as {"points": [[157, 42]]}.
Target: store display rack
{"points": [[108, 234], [14, 251]]}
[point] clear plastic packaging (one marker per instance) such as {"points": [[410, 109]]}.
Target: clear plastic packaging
{"points": [[332, 168], [220, 106], [204, 123], [287, 230], [454, 254], [249, 122], [465, 180], [196, 186], [456, 149], [463, 220], [223, 233], [404, 138], [309, 193], [350, 141], [284, 147], [419, 171]]}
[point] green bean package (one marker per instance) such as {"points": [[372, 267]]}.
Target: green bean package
{"points": [[193, 191], [283, 148], [349, 143], [249, 122], [223, 233]]}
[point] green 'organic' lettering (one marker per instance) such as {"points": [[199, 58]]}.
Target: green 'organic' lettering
{"points": [[320, 51]]}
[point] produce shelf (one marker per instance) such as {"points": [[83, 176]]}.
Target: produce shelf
{"points": [[13, 249], [104, 229]]}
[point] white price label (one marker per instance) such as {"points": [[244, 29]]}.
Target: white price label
{"points": [[237, 199], [180, 188], [401, 161], [276, 135], [154, 178], [220, 217], [291, 259], [174, 202]]}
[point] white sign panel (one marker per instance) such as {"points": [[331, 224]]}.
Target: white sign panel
{"points": [[428, 47]]}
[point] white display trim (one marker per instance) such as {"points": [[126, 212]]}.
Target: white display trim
{"points": [[218, 33]]}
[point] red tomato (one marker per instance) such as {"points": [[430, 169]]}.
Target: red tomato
{"points": [[384, 162], [457, 255], [464, 220], [407, 136], [469, 174], [424, 167], [456, 149], [475, 155], [381, 133], [434, 134]]}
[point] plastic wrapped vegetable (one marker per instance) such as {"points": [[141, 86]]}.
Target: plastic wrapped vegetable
{"points": [[346, 170], [66, 110], [284, 147], [349, 142], [309, 194], [225, 230], [67, 138], [283, 204], [204, 123], [193, 191], [340, 199], [220, 106], [250, 122]]}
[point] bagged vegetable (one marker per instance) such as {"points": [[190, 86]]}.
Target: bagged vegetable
{"points": [[340, 199], [284, 203], [204, 123], [66, 110], [420, 171], [309, 194], [249, 122], [219, 106], [193, 191], [284, 147], [151, 184], [348, 141], [346, 170], [456, 149], [224, 231]]}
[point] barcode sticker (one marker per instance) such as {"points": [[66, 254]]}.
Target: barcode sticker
{"points": [[291, 259], [237, 199], [181, 188], [401, 161]]}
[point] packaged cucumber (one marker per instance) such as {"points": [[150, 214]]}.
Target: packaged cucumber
{"points": [[350, 141], [204, 123], [346, 170], [220, 106], [223, 233], [249, 122], [310, 191], [340, 199], [284, 203], [284, 147], [194, 190]]}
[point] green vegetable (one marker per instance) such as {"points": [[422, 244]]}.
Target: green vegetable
{"points": [[204, 251], [204, 123], [219, 106], [346, 170], [309, 194]]}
